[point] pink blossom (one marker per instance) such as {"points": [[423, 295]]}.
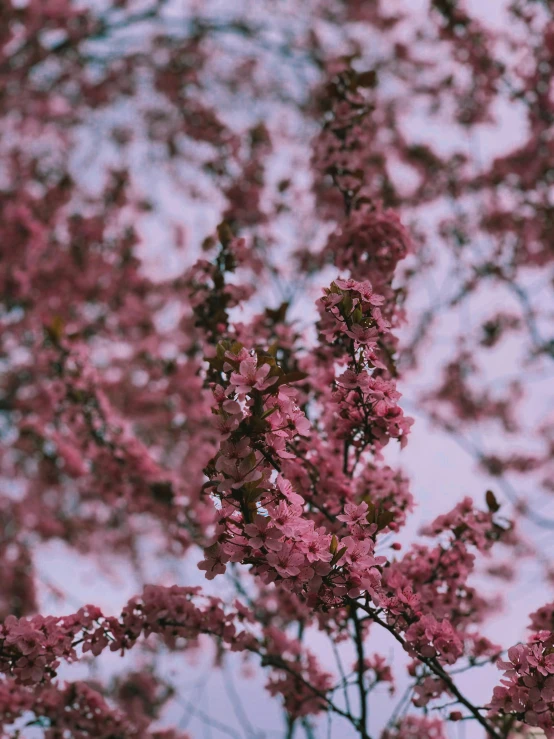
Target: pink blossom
{"points": [[250, 376], [287, 561], [261, 534], [354, 514]]}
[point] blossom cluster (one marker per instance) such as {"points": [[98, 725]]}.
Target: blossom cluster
{"points": [[32, 649], [543, 618], [527, 687], [432, 638], [303, 689], [259, 419], [364, 405], [78, 710]]}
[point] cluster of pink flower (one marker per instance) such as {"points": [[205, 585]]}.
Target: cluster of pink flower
{"points": [[471, 526], [76, 710], [439, 578], [428, 689], [93, 445], [543, 618], [439, 574], [527, 688], [364, 405], [431, 638], [282, 544], [304, 688], [343, 148], [258, 416], [375, 241], [92, 382], [31, 649], [390, 489], [432, 582], [369, 238]]}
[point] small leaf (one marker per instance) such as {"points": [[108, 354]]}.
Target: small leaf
{"points": [[370, 518], [224, 233], [334, 544], [162, 491], [55, 329], [251, 492], [368, 79], [492, 504], [337, 556], [269, 412], [347, 304], [236, 347], [292, 377], [384, 518], [279, 314]]}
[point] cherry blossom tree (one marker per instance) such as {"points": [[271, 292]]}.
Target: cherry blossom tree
{"points": [[231, 236]]}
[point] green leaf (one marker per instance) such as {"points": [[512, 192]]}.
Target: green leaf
{"points": [[269, 412], [384, 518], [347, 304], [338, 555], [292, 377]]}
